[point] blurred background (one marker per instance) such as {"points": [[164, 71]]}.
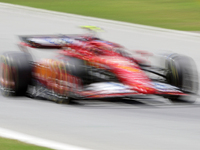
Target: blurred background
{"points": [[171, 14]]}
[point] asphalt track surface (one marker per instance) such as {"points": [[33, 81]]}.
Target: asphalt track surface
{"points": [[148, 124]]}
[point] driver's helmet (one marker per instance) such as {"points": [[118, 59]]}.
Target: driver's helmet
{"points": [[92, 31]]}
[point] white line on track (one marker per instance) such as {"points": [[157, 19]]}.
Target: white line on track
{"points": [[37, 141]]}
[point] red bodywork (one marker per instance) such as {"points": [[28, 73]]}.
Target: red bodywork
{"points": [[101, 54]]}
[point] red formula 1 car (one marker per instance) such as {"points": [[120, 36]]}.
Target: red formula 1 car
{"points": [[88, 67]]}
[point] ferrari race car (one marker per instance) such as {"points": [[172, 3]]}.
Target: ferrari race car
{"points": [[87, 67]]}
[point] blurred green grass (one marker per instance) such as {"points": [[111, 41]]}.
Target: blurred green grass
{"points": [[172, 14], [8, 144]]}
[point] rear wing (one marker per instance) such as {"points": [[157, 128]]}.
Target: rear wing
{"points": [[57, 41], [46, 41]]}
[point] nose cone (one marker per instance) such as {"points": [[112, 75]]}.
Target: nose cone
{"points": [[135, 78]]}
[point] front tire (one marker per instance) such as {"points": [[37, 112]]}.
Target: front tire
{"points": [[182, 73]]}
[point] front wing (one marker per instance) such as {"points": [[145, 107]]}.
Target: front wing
{"points": [[112, 89]]}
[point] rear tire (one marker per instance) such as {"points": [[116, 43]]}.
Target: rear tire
{"points": [[15, 73]]}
